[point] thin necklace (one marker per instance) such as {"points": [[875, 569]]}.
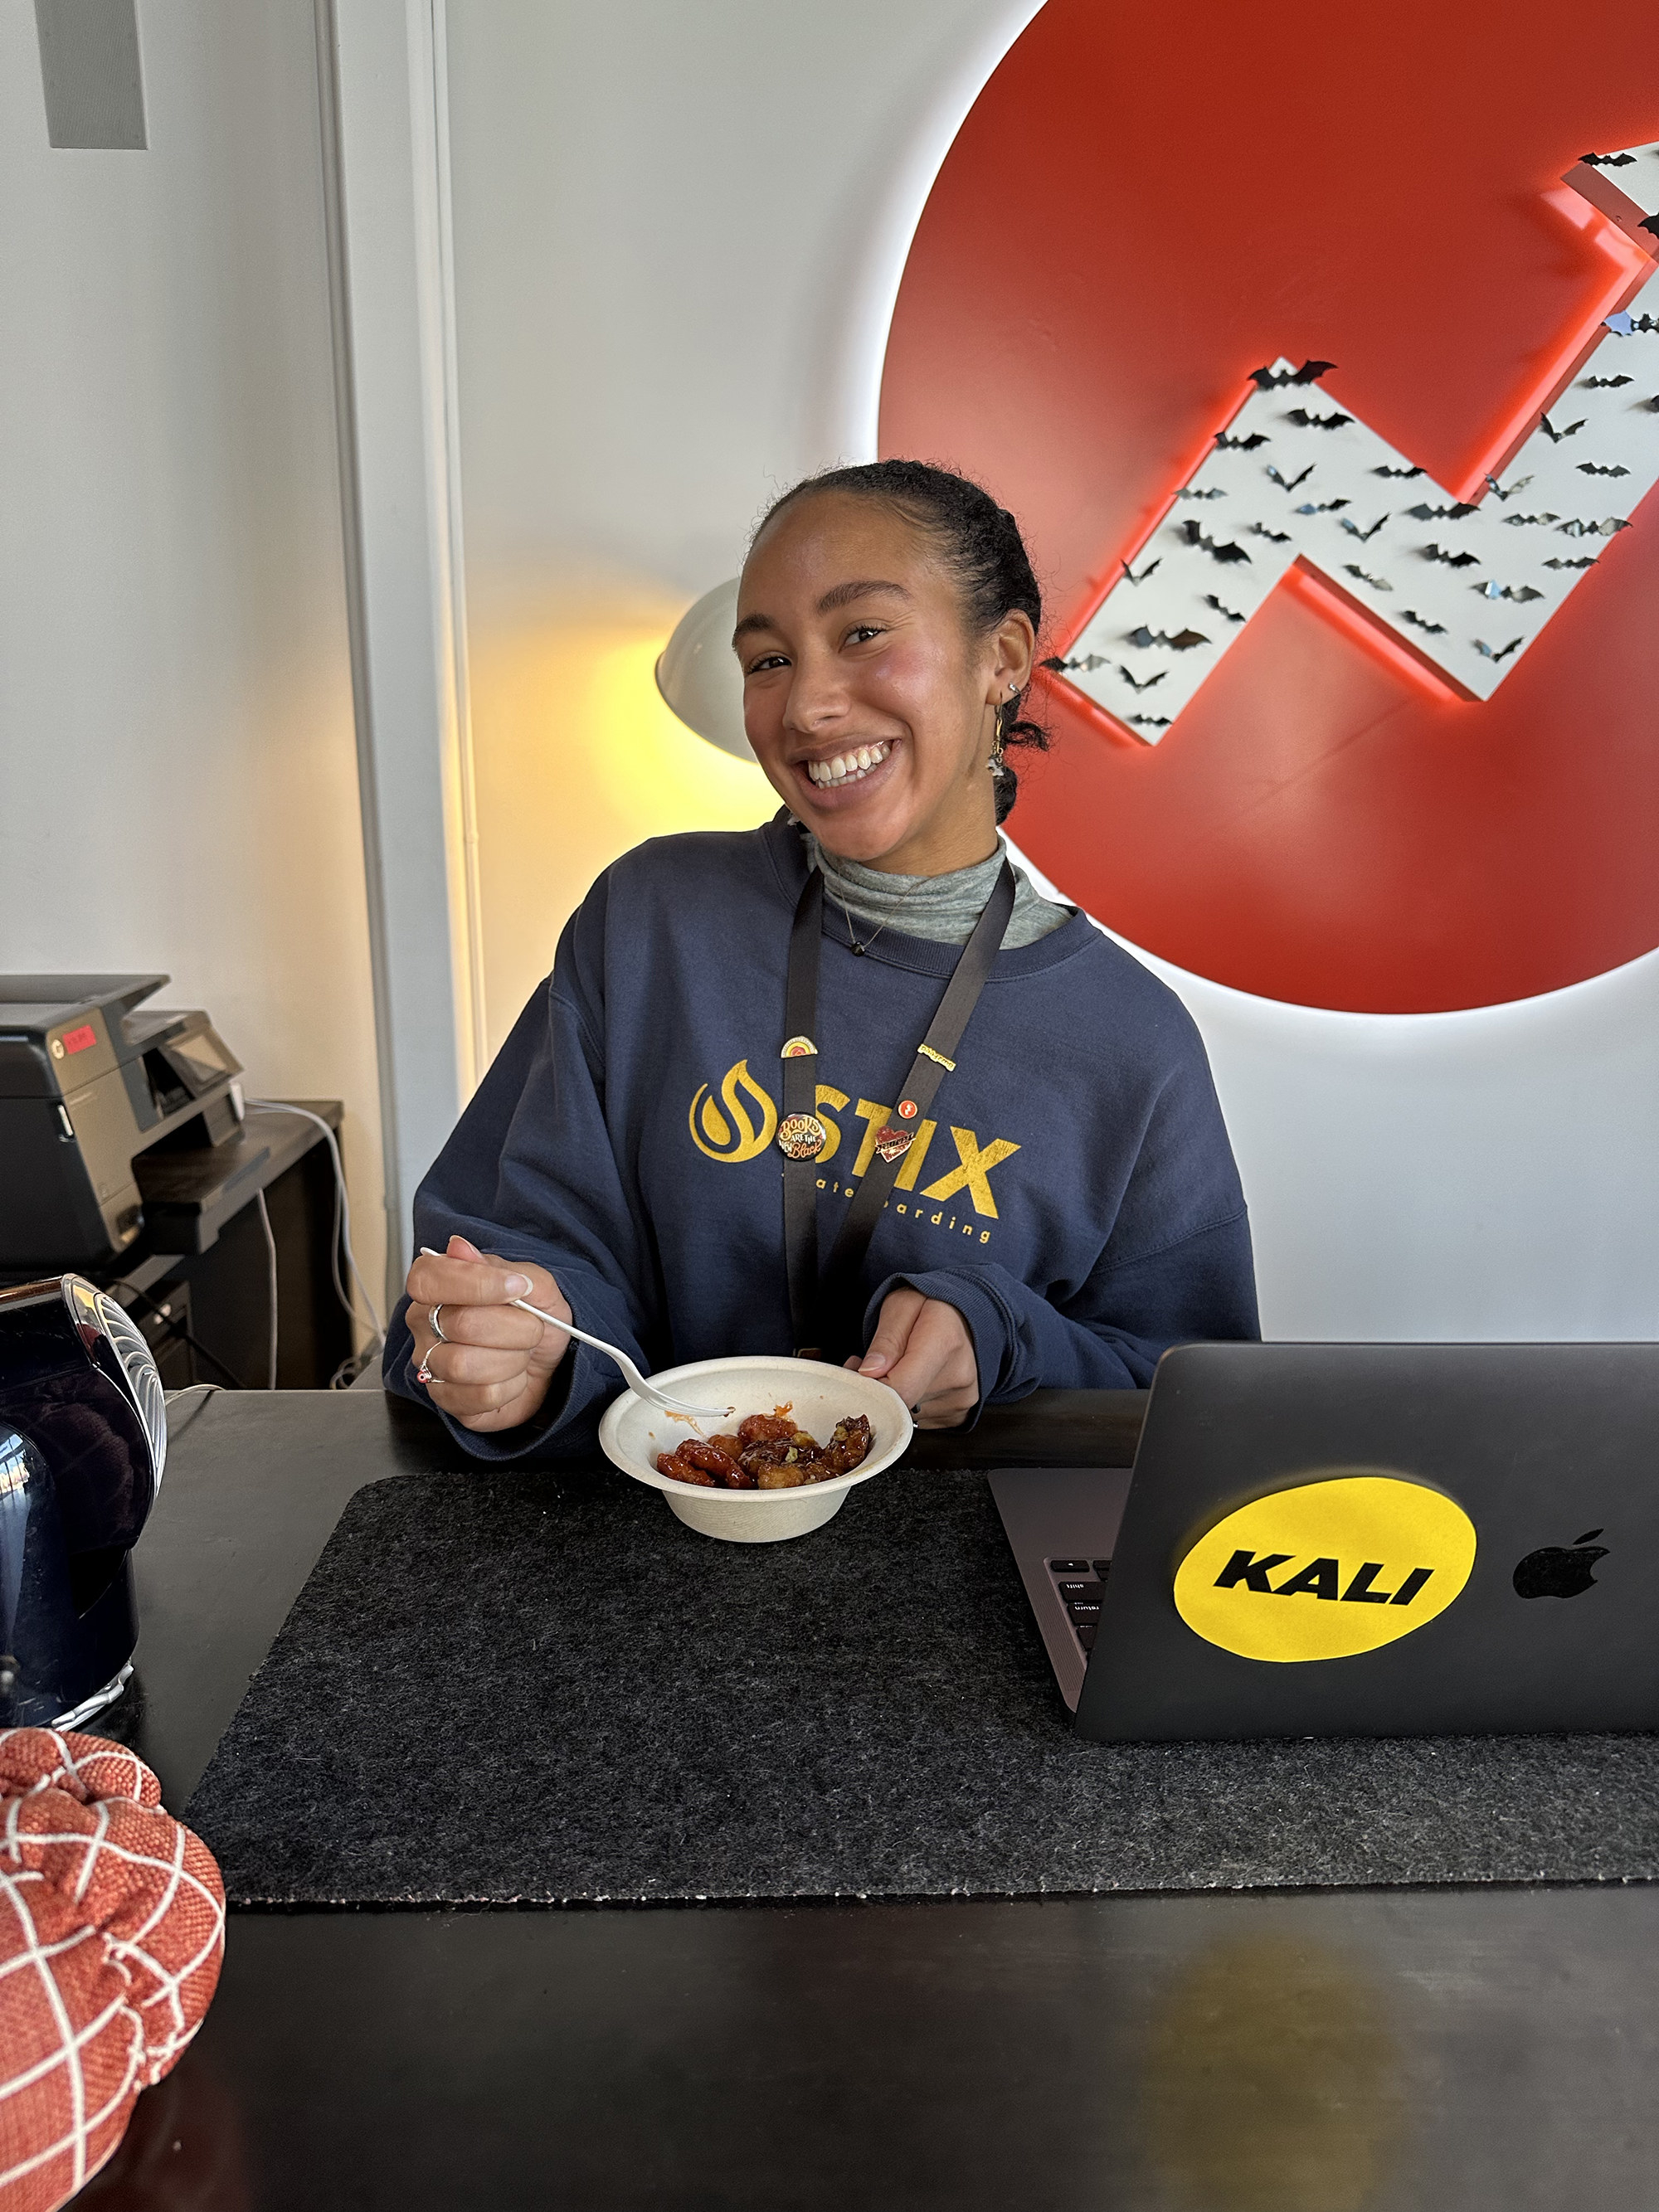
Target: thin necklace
{"points": [[880, 926]]}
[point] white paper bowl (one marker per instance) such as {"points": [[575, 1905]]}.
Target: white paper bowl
{"points": [[632, 1433]]}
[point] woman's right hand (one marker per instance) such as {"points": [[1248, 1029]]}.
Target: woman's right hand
{"points": [[492, 1366]]}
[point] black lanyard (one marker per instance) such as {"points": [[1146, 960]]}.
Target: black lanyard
{"points": [[825, 1314]]}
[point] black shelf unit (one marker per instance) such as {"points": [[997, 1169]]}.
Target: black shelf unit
{"points": [[196, 1281]]}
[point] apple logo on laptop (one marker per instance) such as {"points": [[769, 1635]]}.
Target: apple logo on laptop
{"points": [[1560, 1570]]}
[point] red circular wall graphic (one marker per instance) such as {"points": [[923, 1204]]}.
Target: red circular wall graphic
{"points": [[1146, 204]]}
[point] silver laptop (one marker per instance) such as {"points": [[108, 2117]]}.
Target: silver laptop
{"points": [[1360, 1539]]}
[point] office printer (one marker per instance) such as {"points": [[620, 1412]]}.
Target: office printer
{"points": [[87, 1083]]}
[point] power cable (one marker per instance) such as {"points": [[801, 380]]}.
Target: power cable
{"points": [[176, 1328], [342, 1236], [176, 1428], [270, 1286]]}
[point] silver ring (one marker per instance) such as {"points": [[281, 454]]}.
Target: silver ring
{"points": [[437, 1326]]}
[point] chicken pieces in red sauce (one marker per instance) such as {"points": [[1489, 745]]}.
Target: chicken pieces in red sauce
{"points": [[767, 1451]]}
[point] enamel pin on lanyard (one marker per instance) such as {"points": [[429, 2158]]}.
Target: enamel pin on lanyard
{"points": [[817, 1307]]}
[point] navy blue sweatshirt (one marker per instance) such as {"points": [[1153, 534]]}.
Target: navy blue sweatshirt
{"points": [[1074, 1196]]}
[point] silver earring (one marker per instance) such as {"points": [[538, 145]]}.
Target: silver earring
{"points": [[1013, 687]]}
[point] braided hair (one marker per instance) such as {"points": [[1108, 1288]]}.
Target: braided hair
{"points": [[978, 541]]}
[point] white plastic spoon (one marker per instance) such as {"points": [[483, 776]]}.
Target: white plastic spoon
{"points": [[630, 1374]]}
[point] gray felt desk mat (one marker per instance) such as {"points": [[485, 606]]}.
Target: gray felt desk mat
{"points": [[504, 1688]]}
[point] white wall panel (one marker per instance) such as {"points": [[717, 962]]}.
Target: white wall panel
{"points": [[381, 68], [678, 232], [1487, 1175], [677, 235], [178, 774]]}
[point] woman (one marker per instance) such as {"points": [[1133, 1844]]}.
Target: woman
{"points": [[717, 1068]]}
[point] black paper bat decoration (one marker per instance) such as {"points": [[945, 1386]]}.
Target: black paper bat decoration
{"points": [[1289, 483], [1148, 721], [1519, 592], [1651, 222], [1385, 471], [1194, 532], [1610, 528], [1607, 160], [1303, 421], [1363, 536], [1522, 521], [1210, 600], [1377, 583], [1623, 325], [1191, 491], [1434, 629], [1320, 506], [1652, 406], [1130, 575], [1554, 435], [1272, 380], [1454, 512], [1183, 641], [1585, 561], [1502, 652], [1451, 560], [1601, 469], [1242, 445], [1135, 680], [1273, 536], [1063, 667], [1602, 383], [1498, 492]]}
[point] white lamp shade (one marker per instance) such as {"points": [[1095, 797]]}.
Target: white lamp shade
{"points": [[697, 672]]}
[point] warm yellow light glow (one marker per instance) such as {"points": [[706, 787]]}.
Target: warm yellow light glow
{"points": [[653, 767], [576, 760]]}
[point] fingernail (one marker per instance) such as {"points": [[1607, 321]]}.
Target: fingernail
{"points": [[518, 1286], [877, 1363]]}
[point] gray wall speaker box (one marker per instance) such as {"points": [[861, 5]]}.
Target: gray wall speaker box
{"points": [[90, 70]]}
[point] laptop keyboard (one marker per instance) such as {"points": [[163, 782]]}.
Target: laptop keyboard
{"points": [[1081, 1585]]}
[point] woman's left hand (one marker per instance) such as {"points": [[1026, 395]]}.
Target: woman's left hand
{"points": [[922, 1349]]}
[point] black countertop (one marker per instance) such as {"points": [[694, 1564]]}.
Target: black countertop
{"points": [[1448, 2048]]}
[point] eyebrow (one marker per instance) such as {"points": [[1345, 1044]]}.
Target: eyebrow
{"points": [[842, 596]]}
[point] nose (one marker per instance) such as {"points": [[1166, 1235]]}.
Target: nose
{"points": [[818, 697]]}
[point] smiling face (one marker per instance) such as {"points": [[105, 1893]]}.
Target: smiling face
{"points": [[869, 702]]}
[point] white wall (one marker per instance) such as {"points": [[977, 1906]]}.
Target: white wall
{"points": [[177, 777], [677, 232], [667, 220], [1488, 1175], [677, 235]]}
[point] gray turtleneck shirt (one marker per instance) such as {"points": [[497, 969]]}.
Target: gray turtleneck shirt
{"points": [[942, 908]]}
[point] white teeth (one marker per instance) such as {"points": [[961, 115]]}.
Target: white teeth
{"points": [[847, 768]]}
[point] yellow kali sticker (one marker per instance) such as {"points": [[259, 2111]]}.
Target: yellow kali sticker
{"points": [[1327, 1569]]}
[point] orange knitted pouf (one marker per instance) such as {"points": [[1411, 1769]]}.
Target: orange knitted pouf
{"points": [[112, 1932]]}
